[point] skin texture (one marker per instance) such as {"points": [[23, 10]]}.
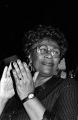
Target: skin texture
{"points": [[23, 79], [46, 65], [6, 84], [6, 87]]}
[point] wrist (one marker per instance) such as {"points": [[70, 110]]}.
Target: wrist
{"points": [[2, 104], [30, 96], [3, 100]]}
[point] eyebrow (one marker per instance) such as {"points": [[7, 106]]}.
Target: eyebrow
{"points": [[43, 44], [54, 46]]}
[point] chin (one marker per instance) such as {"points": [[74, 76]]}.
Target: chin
{"points": [[46, 72]]}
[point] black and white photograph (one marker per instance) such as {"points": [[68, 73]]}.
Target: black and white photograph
{"points": [[38, 60]]}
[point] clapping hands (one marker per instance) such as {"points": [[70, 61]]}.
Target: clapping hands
{"points": [[23, 80], [6, 84]]}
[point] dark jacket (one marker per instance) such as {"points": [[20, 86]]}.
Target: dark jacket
{"points": [[58, 96]]}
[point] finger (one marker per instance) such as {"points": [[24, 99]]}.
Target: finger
{"points": [[17, 70], [10, 82], [27, 70], [9, 69], [21, 66], [5, 72], [15, 77]]}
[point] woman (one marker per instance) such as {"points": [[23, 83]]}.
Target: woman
{"points": [[43, 94]]}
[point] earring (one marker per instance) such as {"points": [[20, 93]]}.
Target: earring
{"points": [[30, 64]]}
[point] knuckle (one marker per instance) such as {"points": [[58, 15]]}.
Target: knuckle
{"points": [[22, 69]]}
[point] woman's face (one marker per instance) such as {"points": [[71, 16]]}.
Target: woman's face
{"points": [[45, 57]]}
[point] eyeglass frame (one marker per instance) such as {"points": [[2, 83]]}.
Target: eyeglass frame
{"points": [[38, 50]]}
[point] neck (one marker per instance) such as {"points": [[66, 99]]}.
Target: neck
{"points": [[41, 79]]}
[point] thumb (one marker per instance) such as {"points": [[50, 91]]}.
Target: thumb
{"points": [[9, 69], [5, 72]]}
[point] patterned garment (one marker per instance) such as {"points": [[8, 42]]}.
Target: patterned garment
{"points": [[59, 97]]}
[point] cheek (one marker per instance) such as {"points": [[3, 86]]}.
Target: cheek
{"points": [[56, 62], [36, 62], [36, 65]]}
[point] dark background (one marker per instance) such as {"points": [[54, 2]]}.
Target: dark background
{"points": [[17, 17]]}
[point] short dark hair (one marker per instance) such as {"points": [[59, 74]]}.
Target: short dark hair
{"points": [[43, 31]]}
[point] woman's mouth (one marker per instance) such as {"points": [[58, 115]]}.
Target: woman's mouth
{"points": [[48, 64]]}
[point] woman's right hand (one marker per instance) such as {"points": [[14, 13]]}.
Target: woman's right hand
{"points": [[6, 84]]}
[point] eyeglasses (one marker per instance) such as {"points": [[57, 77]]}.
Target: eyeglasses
{"points": [[43, 50]]}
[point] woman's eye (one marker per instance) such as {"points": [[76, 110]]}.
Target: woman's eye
{"points": [[43, 50], [56, 52]]}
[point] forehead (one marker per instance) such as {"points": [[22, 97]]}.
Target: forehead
{"points": [[47, 42]]}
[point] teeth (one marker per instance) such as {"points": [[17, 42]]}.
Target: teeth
{"points": [[47, 63]]}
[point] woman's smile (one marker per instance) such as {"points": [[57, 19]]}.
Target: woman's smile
{"points": [[47, 63]]}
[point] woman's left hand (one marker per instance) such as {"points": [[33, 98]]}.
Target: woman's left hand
{"points": [[23, 79]]}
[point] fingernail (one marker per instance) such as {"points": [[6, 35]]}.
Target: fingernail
{"points": [[25, 64], [18, 60], [10, 66], [14, 63]]}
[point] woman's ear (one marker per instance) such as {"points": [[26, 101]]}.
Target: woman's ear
{"points": [[62, 65]]}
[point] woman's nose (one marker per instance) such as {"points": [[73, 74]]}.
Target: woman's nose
{"points": [[48, 55]]}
